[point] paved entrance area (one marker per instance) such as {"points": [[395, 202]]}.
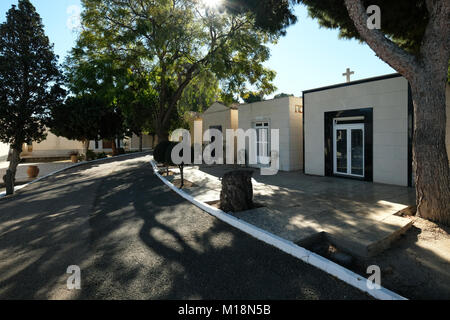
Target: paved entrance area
{"points": [[356, 216]]}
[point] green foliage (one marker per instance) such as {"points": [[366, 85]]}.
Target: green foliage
{"points": [[30, 81], [90, 155], [271, 15], [200, 94], [251, 97], [175, 46], [79, 118], [137, 100], [101, 155], [85, 118], [403, 21], [283, 95]]}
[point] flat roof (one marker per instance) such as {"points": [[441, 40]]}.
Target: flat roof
{"points": [[346, 84], [247, 104]]}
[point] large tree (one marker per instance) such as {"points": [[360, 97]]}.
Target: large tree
{"points": [[100, 76], [29, 82], [85, 118], [176, 41], [414, 39]]}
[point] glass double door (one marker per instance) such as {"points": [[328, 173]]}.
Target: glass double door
{"points": [[262, 142], [349, 149]]}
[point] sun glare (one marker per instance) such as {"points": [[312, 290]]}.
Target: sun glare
{"points": [[212, 3]]}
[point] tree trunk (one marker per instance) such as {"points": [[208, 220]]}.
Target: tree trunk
{"points": [[86, 149], [431, 166], [237, 191], [114, 148], [162, 135], [10, 176], [154, 141], [140, 142]]}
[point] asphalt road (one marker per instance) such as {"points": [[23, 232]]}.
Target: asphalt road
{"points": [[133, 238]]}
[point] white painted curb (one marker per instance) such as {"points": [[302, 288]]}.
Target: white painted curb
{"points": [[289, 247], [3, 194]]}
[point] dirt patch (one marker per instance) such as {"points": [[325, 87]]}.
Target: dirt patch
{"points": [[164, 173], [417, 266], [187, 184], [323, 247], [216, 204], [407, 212]]}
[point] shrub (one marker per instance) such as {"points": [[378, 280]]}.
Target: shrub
{"points": [[120, 151], [102, 155], [160, 152], [90, 155]]}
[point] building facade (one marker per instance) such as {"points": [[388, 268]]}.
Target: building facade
{"points": [[284, 114], [362, 130]]}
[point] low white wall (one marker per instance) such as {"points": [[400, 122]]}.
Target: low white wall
{"points": [[4, 150], [53, 146], [132, 143]]}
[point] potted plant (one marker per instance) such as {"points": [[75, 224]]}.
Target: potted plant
{"points": [[74, 156], [32, 172]]}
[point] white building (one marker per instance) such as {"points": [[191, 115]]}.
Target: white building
{"points": [[362, 130], [54, 147], [220, 117], [284, 114]]}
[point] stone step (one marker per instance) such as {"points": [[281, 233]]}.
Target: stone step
{"points": [[371, 241]]}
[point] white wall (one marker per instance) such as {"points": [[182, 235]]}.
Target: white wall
{"points": [[295, 134], [280, 113], [4, 150], [389, 100], [53, 146], [132, 143], [217, 115]]}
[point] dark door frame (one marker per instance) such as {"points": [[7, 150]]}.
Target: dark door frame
{"points": [[367, 113]]}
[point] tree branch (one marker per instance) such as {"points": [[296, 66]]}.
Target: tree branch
{"points": [[435, 50], [402, 61]]}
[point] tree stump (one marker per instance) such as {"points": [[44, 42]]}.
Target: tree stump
{"points": [[237, 191]]}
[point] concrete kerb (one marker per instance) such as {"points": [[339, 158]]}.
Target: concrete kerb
{"points": [[3, 194], [289, 247]]}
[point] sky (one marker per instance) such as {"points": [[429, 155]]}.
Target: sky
{"points": [[307, 57]]}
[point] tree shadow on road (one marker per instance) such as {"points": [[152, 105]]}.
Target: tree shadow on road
{"points": [[155, 245]]}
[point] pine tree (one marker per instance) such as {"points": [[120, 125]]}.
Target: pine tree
{"points": [[29, 82]]}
